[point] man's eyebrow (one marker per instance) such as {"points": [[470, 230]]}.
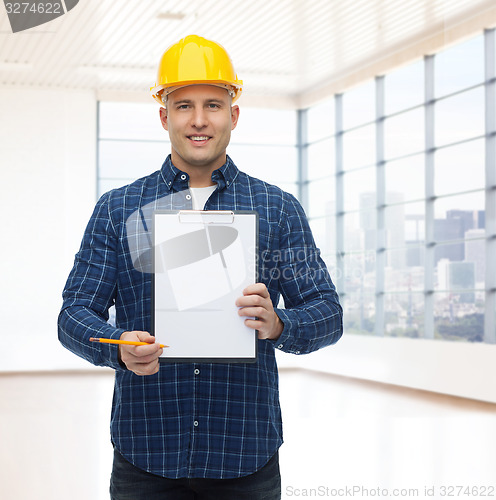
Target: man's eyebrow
{"points": [[182, 101], [189, 101]]}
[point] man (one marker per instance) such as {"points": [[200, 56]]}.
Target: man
{"points": [[196, 430]]}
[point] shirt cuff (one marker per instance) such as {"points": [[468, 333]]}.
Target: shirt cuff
{"points": [[110, 352], [285, 342]]}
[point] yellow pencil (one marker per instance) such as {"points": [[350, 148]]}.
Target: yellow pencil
{"points": [[126, 342]]}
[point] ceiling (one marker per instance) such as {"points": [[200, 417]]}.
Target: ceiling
{"points": [[284, 50]]}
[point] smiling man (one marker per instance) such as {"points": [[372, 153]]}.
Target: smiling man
{"points": [[197, 430]]}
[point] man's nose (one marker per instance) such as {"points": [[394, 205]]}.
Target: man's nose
{"points": [[199, 118]]}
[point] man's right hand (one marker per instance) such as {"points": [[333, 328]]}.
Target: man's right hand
{"points": [[140, 359]]}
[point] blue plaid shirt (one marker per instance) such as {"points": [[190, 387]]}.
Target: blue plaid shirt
{"points": [[203, 420]]}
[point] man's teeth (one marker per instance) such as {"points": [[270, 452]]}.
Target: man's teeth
{"points": [[199, 138]]}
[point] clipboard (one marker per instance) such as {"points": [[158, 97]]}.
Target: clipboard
{"points": [[202, 261]]}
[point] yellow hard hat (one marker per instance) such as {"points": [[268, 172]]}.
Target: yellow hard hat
{"points": [[195, 60]]}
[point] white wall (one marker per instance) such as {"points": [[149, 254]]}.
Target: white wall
{"points": [[47, 193]]}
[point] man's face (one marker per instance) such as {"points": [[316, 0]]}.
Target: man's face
{"points": [[199, 119]]}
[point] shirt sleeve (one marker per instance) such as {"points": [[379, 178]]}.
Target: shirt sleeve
{"points": [[312, 315], [90, 292]]}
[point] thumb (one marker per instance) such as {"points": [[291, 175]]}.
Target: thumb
{"points": [[145, 337]]}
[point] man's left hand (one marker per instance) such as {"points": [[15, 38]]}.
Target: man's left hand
{"points": [[256, 303]]}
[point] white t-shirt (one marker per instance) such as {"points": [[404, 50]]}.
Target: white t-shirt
{"points": [[201, 195]]}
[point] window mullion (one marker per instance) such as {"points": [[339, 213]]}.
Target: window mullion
{"points": [[380, 261], [490, 202], [339, 195], [429, 200], [301, 140]]}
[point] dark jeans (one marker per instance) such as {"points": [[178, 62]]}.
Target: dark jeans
{"points": [[130, 483]]}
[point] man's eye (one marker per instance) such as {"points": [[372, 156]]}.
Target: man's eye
{"points": [[213, 105]]}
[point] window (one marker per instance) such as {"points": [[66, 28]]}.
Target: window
{"points": [[321, 159], [411, 189], [395, 175], [406, 176], [459, 168], [264, 145], [459, 117], [404, 88], [359, 147], [132, 144], [404, 133], [321, 121], [359, 105], [459, 67]]}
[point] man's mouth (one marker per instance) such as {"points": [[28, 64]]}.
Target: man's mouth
{"points": [[199, 138]]}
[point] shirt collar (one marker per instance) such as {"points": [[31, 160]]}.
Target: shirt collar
{"points": [[177, 180]]}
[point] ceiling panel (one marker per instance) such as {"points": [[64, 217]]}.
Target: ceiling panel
{"points": [[280, 48]]}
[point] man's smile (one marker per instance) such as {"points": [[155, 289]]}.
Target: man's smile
{"points": [[198, 138]]}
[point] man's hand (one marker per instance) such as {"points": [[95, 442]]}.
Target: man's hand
{"points": [[256, 303], [140, 359]]}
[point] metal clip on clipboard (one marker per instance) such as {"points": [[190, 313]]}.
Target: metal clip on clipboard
{"points": [[206, 216]]}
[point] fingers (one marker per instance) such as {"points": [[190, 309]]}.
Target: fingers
{"points": [[255, 295], [143, 369], [253, 311], [143, 359], [143, 336], [256, 305], [139, 357], [256, 324], [255, 302], [141, 364], [257, 289]]}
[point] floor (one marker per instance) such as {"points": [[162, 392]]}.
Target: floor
{"points": [[343, 438]]}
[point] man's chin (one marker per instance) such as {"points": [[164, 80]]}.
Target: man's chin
{"points": [[207, 162]]}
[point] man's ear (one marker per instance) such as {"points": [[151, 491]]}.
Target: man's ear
{"points": [[163, 118], [234, 116]]}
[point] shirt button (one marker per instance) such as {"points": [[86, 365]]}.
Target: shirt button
{"points": [[280, 346], [183, 177], [195, 423], [197, 372], [297, 352], [188, 197]]}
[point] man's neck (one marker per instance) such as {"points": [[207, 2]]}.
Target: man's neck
{"points": [[199, 180], [199, 176]]}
